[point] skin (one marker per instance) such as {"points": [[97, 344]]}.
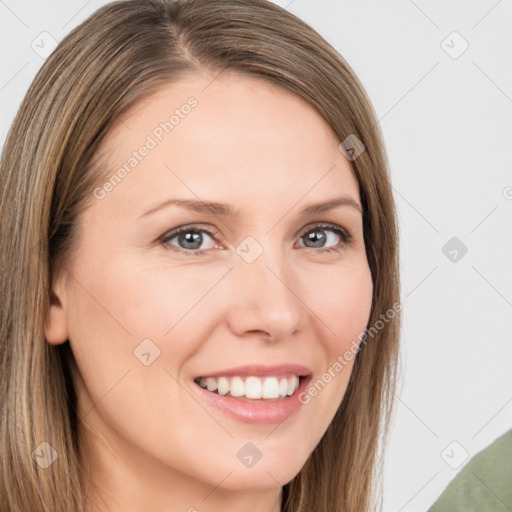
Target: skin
{"points": [[149, 444]]}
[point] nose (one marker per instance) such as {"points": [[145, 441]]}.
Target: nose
{"points": [[265, 297]]}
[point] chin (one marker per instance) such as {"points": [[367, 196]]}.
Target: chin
{"points": [[259, 480]]}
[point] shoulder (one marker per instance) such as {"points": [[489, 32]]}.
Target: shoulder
{"points": [[484, 483]]}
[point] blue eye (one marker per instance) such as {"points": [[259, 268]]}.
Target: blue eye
{"points": [[312, 236], [190, 240]]}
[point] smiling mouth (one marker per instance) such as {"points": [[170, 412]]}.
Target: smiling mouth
{"points": [[251, 388]]}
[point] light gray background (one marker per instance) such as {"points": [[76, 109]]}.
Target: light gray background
{"points": [[447, 122]]}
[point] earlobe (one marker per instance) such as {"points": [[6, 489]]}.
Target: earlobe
{"points": [[56, 324]]}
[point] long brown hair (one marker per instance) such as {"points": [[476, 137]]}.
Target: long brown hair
{"points": [[50, 166]]}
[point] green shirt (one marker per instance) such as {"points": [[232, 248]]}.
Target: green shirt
{"points": [[484, 484]]}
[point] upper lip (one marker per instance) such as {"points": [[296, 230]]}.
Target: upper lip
{"points": [[262, 370]]}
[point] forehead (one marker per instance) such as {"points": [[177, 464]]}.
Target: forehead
{"points": [[203, 133]]}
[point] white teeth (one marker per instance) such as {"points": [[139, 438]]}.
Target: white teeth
{"points": [[293, 384], [211, 384], [237, 387], [223, 386], [253, 387], [270, 388], [283, 387]]}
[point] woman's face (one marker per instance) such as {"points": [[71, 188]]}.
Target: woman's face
{"points": [[251, 293]]}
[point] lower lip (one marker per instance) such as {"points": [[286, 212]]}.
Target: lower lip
{"points": [[264, 412]]}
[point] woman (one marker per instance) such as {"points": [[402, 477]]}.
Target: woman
{"points": [[200, 269]]}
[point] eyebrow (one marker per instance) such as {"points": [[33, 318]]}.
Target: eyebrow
{"points": [[223, 209]]}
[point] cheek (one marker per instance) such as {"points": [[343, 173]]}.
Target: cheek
{"points": [[343, 301], [118, 317], [113, 311], [131, 300]]}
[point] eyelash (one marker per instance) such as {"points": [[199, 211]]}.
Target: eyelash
{"points": [[343, 234]]}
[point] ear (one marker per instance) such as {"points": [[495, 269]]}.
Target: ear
{"points": [[56, 323]]}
